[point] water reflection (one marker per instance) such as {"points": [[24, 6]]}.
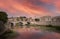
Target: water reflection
{"points": [[28, 33]]}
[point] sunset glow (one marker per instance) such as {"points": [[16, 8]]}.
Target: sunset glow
{"points": [[30, 7]]}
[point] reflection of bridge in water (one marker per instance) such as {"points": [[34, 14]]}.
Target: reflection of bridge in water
{"points": [[32, 33]]}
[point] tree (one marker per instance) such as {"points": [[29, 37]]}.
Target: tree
{"points": [[3, 17], [5, 32], [3, 20], [2, 28]]}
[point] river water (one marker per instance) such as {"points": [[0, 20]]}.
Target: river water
{"points": [[32, 33]]}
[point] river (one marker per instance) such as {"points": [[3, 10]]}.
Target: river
{"points": [[34, 33]]}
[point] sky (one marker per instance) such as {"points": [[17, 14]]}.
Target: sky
{"points": [[30, 8]]}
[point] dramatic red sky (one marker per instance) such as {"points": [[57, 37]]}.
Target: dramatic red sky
{"points": [[30, 7]]}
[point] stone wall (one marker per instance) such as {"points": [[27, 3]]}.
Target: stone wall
{"points": [[45, 20]]}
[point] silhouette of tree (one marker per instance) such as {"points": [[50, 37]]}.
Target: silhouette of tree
{"points": [[3, 17], [3, 20]]}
